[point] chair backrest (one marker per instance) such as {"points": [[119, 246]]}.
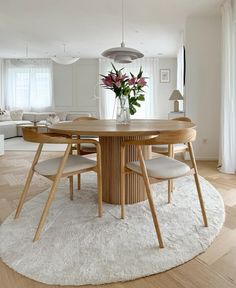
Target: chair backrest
{"points": [[84, 118], [176, 136], [167, 137], [32, 136], [186, 119]]}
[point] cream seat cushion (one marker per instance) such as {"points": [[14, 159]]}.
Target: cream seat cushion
{"points": [[162, 167], [74, 163], [164, 148], [89, 147]]}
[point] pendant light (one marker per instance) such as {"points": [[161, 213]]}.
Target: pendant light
{"points": [[122, 54], [65, 59]]}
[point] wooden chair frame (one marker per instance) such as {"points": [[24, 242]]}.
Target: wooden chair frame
{"points": [[170, 138], [78, 148], [54, 138], [171, 153]]}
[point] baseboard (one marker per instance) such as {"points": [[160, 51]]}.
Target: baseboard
{"points": [[202, 157]]}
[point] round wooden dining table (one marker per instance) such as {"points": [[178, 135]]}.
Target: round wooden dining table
{"points": [[111, 135]]}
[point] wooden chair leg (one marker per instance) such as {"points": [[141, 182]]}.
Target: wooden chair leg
{"points": [[46, 209], [78, 176], [149, 196], [99, 183], [52, 193], [28, 181], [170, 181], [122, 182], [78, 182], [170, 187], [71, 187], [99, 180], [197, 182]]}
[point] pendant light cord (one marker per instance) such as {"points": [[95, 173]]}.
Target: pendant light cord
{"points": [[27, 50], [123, 25]]}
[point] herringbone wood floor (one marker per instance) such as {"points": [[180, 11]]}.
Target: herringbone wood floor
{"points": [[216, 268]]}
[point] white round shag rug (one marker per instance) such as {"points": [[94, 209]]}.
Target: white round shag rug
{"points": [[76, 247]]}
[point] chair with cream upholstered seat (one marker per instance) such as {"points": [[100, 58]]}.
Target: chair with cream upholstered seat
{"points": [[83, 148], [177, 148], [56, 168], [161, 168]]}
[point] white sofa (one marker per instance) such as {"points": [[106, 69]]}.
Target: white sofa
{"points": [[9, 127]]}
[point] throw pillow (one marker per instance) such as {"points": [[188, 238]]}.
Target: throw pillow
{"points": [[4, 115], [16, 115], [61, 115]]}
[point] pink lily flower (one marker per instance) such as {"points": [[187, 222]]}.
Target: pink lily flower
{"points": [[132, 81], [142, 82]]}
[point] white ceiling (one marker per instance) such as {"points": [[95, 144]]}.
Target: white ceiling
{"points": [[88, 27]]}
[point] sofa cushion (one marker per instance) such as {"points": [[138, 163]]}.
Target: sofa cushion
{"points": [[16, 115], [61, 115], [8, 129], [29, 116], [5, 115], [72, 116], [43, 116]]}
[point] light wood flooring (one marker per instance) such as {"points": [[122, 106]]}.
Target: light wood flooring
{"points": [[216, 268]]}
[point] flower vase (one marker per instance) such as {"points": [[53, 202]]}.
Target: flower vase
{"points": [[123, 115]]}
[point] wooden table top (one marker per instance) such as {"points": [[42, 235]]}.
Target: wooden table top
{"points": [[111, 128]]}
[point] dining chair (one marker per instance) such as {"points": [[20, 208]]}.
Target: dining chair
{"points": [[171, 151], [83, 148], [58, 167], [161, 168]]}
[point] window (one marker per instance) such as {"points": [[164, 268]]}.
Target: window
{"points": [[28, 84]]}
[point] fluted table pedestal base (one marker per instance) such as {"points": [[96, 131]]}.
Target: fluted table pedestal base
{"points": [[134, 186]]}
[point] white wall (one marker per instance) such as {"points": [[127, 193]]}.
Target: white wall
{"points": [[1, 84], [165, 89], [203, 59], [74, 86]]}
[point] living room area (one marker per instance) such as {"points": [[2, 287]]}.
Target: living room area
{"points": [[117, 164]]}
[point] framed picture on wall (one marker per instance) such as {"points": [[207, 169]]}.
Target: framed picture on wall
{"points": [[164, 75]]}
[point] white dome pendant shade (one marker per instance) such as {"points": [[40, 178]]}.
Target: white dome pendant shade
{"points": [[122, 54], [65, 59]]}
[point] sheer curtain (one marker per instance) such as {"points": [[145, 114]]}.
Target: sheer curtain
{"points": [[180, 69], [149, 107], [228, 101], [28, 84]]}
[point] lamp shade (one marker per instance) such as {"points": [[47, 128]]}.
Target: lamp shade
{"points": [[122, 54], [176, 95], [65, 60]]}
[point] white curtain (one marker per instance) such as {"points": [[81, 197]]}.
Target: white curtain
{"points": [[28, 84], [149, 107], [180, 69], [228, 102]]}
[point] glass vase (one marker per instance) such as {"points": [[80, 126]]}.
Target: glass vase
{"points": [[122, 113]]}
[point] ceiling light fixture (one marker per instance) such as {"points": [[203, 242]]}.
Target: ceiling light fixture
{"points": [[122, 54], [65, 59]]}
